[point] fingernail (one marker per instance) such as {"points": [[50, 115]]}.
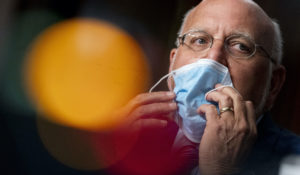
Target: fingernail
{"points": [[173, 105], [171, 94], [163, 123]]}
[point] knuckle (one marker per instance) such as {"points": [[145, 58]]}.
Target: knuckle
{"points": [[227, 99], [218, 126], [243, 129], [139, 112], [211, 107], [139, 98], [238, 97]]}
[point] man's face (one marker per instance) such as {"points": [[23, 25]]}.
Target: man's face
{"points": [[220, 19]]}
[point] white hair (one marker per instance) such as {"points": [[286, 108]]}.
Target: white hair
{"points": [[277, 46], [184, 20], [277, 50]]}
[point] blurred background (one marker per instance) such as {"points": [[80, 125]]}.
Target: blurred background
{"points": [[29, 146]]}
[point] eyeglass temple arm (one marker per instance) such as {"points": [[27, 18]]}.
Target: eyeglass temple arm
{"points": [[269, 57]]}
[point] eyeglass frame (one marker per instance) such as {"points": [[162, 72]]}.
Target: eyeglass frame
{"points": [[181, 38]]}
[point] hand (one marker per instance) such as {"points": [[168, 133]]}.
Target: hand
{"points": [[150, 110], [229, 136], [149, 152]]}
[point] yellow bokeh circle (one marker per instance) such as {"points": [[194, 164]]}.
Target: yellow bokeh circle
{"points": [[81, 71]]}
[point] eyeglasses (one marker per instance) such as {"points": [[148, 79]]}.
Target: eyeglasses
{"points": [[237, 45]]}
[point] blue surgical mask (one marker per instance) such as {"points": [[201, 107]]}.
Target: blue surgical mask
{"points": [[192, 83]]}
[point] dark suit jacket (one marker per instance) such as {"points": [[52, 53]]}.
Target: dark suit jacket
{"points": [[273, 144]]}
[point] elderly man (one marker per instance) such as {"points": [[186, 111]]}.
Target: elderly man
{"points": [[238, 135]]}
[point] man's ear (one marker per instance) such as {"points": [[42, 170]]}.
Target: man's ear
{"points": [[171, 58], [277, 81]]}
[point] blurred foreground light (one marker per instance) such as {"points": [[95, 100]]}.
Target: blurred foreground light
{"points": [[85, 150], [81, 71], [290, 165]]}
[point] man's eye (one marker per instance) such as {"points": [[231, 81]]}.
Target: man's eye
{"points": [[240, 47], [199, 41]]}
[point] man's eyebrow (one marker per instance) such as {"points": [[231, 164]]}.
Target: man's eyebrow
{"points": [[194, 29], [240, 33], [198, 29], [234, 32]]}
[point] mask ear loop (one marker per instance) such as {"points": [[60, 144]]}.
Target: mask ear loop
{"points": [[166, 76], [217, 89], [172, 71], [159, 81]]}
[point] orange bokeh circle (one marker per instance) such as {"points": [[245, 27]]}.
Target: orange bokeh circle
{"points": [[79, 72]]}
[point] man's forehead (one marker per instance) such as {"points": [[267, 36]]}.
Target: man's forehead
{"points": [[233, 16], [232, 32], [231, 2], [235, 10]]}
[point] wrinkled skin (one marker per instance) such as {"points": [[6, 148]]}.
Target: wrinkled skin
{"points": [[228, 137]]}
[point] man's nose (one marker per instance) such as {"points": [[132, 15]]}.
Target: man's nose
{"points": [[217, 52]]}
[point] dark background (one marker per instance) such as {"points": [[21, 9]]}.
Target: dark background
{"points": [[153, 24]]}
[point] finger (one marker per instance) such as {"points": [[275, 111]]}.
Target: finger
{"points": [[237, 99], [168, 116], [146, 98], [224, 101], [210, 111], [149, 123], [153, 110], [224, 86], [251, 115]]}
